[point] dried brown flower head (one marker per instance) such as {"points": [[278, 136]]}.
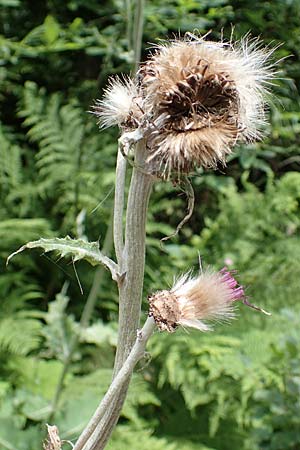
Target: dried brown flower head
{"points": [[194, 100]]}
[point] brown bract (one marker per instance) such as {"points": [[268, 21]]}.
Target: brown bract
{"points": [[163, 307], [52, 441]]}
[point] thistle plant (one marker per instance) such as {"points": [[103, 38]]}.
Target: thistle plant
{"points": [[188, 105]]}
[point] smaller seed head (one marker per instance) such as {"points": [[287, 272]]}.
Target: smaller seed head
{"points": [[120, 104], [193, 301]]}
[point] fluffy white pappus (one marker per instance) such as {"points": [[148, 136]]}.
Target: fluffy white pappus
{"points": [[210, 296], [117, 104], [251, 66]]}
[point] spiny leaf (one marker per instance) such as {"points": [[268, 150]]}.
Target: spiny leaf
{"points": [[76, 248]]}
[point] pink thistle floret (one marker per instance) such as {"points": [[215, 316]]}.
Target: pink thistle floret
{"points": [[237, 291]]}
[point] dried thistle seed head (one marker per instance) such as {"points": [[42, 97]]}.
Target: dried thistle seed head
{"points": [[120, 105], [203, 97], [192, 101], [193, 301]]}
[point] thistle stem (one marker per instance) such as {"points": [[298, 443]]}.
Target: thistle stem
{"points": [[131, 257], [130, 291], [119, 208], [121, 378]]}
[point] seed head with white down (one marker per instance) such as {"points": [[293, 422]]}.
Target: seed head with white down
{"points": [[193, 301], [194, 100], [119, 104]]}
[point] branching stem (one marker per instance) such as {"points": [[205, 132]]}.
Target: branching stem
{"points": [[130, 290], [121, 378], [130, 257]]}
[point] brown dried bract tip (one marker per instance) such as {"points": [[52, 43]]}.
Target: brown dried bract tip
{"points": [[52, 441], [163, 307]]}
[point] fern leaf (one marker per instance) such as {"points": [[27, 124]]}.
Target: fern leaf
{"points": [[19, 335], [76, 248]]}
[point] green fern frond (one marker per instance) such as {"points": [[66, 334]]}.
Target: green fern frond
{"points": [[19, 335], [127, 437], [22, 229], [68, 169], [10, 156], [58, 131]]}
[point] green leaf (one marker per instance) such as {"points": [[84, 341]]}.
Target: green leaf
{"points": [[51, 30], [77, 249], [10, 3], [38, 377], [99, 334]]}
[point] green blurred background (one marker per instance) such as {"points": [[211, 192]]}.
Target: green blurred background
{"points": [[235, 389]]}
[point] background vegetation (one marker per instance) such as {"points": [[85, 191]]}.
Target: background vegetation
{"points": [[237, 388]]}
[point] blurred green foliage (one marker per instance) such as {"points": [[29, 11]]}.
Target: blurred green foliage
{"points": [[237, 388]]}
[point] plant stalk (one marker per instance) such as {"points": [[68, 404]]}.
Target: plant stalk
{"points": [[138, 32], [119, 208], [130, 289], [131, 257], [137, 352]]}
